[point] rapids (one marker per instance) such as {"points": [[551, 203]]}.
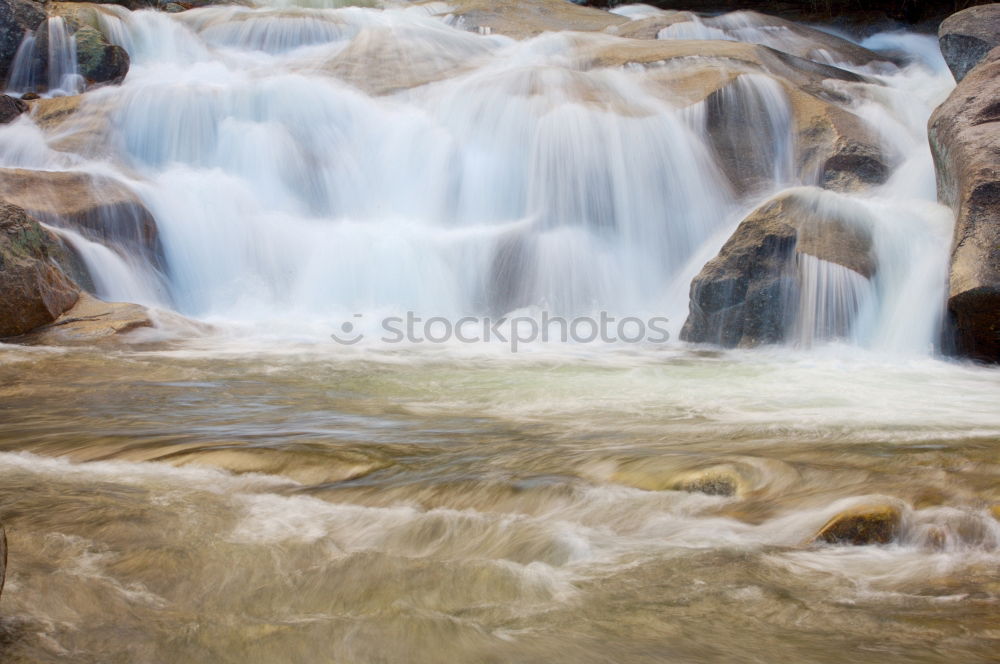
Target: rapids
{"points": [[234, 486]]}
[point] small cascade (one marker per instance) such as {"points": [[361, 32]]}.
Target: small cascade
{"points": [[830, 298], [63, 76], [25, 74]]}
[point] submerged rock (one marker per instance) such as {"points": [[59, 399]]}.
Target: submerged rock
{"points": [[35, 290], [748, 294], [90, 320], [966, 37], [858, 526], [11, 108], [965, 141], [722, 481]]}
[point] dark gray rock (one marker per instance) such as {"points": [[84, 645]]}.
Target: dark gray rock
{"points": [[16, 18], [966, 37], [10, 108]]}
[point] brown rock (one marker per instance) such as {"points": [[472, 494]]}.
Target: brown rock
{"points": [[96, 206], [965, 140], [90, 321], [869, 524], [747, 295], [520, 19], [35, 290]]}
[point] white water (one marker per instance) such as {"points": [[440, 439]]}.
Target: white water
{"points": [[304, 165]]}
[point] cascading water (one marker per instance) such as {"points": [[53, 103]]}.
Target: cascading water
{"points": [[250, 491], [291, 175]]}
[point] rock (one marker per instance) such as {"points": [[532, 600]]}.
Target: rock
{"points": [[520, 19], [172, 8], [868, 524], [96, 206], [748, 294], [16, 18], [3, 557], [965, 141], [35, 290], [30, 96], [835, 149], [966, 37], [995, 511], [721, 481], [785, 36], [99, 61], [11, 108], [90, 321]]}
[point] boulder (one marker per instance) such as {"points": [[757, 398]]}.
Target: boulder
{"points": [[966, 37], [35, 290], [96, 206], [89, 321], [833, 147], [866, 524], [520, 19], [748, 294], [11, 108], [98, 60], [965, 141], [785, 36], [16, 18]]}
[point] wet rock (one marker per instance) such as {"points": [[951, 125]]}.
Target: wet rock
{"points": [[835, 148], [995, 511], [98, 207], [98, 60], [712, 481], [746, 296], [16, 17], [858, 526], [90, 320], [777, 33], [3, 558], [172, 8], [966, 37], [11, 108], [965, 141], [35, 290], [520, 19], [30, 96]]}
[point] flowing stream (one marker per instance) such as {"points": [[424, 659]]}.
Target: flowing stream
{"points": [[235, 486]]}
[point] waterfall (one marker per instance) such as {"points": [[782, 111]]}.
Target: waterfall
{"points": [[24, 74], [307, 164], [63, 76]]}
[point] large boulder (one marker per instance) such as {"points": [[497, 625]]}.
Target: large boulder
{"points": [[966, 37], [965, 141], [99, 61], [16, 18], [35, 290], [748, 294], [831, 146], [98, 207]]}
